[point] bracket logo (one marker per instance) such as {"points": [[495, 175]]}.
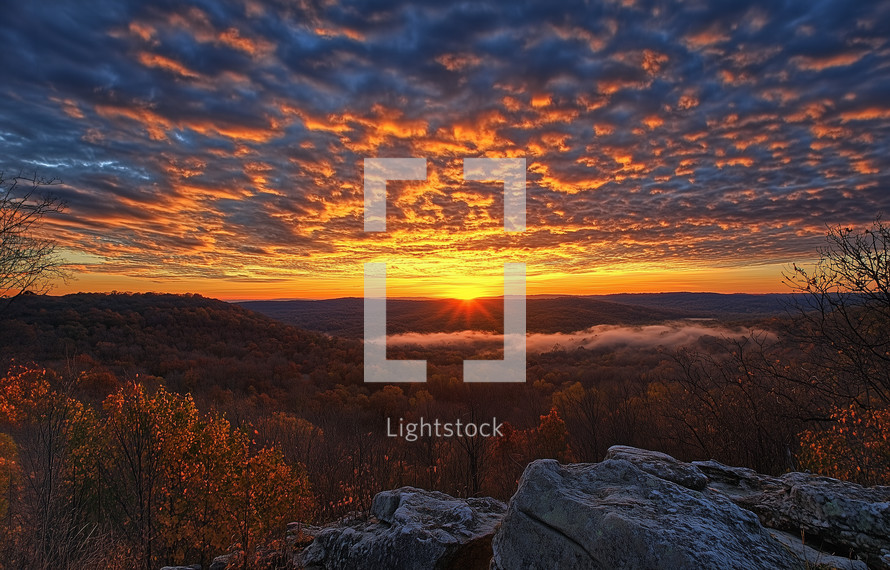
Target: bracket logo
{"points": [[510, 171]]}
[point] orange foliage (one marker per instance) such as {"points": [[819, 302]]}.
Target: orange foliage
{"points": [[194, 484], [856, 447], [176, 485], [550, 439], [21, 392]]}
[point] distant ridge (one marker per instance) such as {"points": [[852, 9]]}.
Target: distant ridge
{"points": [[545, 313], [717, 305]]}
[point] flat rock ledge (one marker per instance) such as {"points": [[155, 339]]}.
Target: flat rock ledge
{"points": [[615, 514], [835, 516], [635, 510]]}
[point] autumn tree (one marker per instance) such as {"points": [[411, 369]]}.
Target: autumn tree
{"points": [[28, 260], [845, 314], [143, 436], [550, 439], [854, 447], [266, 495], [184, 486], [475, 451], [740, 401], [49, 498], [844, 318], [586, 413]]}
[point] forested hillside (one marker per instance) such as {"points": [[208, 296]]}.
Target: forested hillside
{"points": [[128, 414], [192, 342]]}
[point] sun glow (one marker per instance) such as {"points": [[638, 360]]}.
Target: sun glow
{"points": [[467, 293]]}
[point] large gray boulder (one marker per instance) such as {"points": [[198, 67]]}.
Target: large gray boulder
{"points": [[637, 509], [661, 465], [615, 514], [838, 516], [410, 529], [816, 558]]}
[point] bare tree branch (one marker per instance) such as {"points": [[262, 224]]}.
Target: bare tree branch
{"points": [[845, 313], [28, 260]]}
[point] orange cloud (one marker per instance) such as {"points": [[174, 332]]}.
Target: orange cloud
{"points": [[254, 47], [458, 61], [706, 38], [69, 106], [142, 30], [653, 122], [541, 100], [161, 62], [154, 124], [157, 126], [814, 63], [737, 161], [330, 32], [653, 61], [867, 114]]}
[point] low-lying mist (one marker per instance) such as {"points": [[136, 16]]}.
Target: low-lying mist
{"points": [[668, 335]]}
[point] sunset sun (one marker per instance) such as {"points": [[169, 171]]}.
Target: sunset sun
{"points": [[467, 293]]}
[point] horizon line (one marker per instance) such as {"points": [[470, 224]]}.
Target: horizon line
{"points": [[408, 298]]}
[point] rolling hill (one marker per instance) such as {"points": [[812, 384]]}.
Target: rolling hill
{"points": [[545, 314]]}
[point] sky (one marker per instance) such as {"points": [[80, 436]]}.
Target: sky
{"points": [[218, 147]]}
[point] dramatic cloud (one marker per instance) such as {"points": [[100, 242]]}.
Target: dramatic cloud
{"points": [[224, 140]]}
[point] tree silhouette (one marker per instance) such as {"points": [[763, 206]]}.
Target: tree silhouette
{"points": [[845, 313], [28, 261]]}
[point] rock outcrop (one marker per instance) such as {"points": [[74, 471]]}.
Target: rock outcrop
{"points": [[661, 465], [615, 514], [843, 518], [410, 529], [635, 510], [816, 558]]}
